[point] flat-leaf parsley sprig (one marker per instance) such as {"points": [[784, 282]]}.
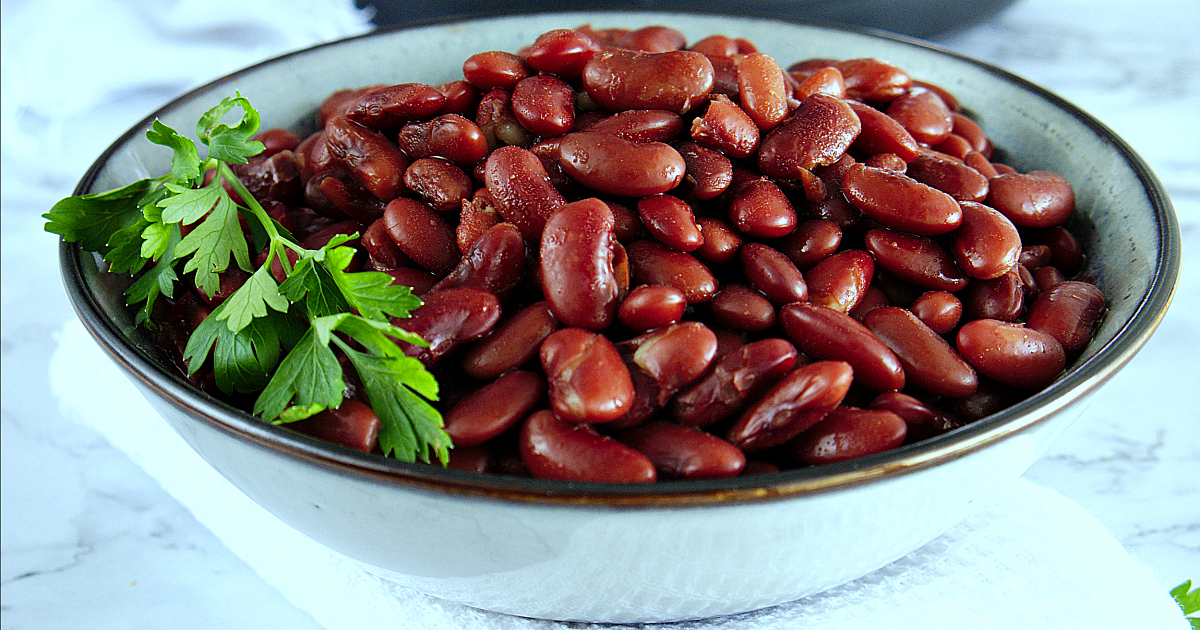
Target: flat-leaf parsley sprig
{"points": [[278, 339]]}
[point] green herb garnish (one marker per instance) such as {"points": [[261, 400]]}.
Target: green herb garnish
{"points": [[1189, 600], [140, 229]]}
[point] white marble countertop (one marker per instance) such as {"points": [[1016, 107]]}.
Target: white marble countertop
{"points": [[90, 541]]}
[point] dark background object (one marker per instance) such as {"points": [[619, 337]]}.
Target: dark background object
{"points": [[926, 19]]}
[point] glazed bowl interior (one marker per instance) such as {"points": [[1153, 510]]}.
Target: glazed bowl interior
{"points": [[1123, 219]]}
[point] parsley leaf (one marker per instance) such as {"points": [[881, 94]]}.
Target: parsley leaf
{"points": [[231, 145], [185, 165], [92, 220], [252, 299], [211, 242], [1188, 600], [370, 292]]}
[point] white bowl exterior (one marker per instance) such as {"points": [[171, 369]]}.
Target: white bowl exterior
{"points": [[626, 564]]}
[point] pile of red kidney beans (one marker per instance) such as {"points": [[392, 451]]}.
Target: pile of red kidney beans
{"points": [[646, 260]]}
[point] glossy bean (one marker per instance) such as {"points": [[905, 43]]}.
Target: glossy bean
{"points": [[726, 127], [670, 220], [792, 404], [882, 133], [848, 433], [1065, 251], [552, 448], [1002, 298], [673, 357], [733, 381], [651, 306], [721, 241], [373, 161], [771, 272], [654, 263], [1069, 312], [763, 91], [762, 210], [611, 164], [914, 259], [388, 107], [708, 172], [576, 263], [513, 343], [495, 262], [683, 452], [939, 310], [641, 125], [922, 420], [811, 242], [562, 52], [494, 408], [351, 424], [381, 249], [929, 362], [448, 136], [493, 69], [873, 79], [654, 38], [422, 234], [544, 104], [823, 333], [521, 190], [900, 202], [987, 245], [1037, 199], [823, 81], [462, 98], [817, 133], [741, 308], [948, 175], [498, 123], [439, 183], [448, 319], [923, 113], [675, 81], [1011, 353], [588, 380], [840, 280]]}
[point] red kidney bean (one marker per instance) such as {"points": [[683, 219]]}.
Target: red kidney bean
{"points": [[682, 452], [873, 79], [734, 379], [939, 310], [578, 278], [764, 93], [387, 108], [335, 104], [448, 136], [588, 380], [654, 263], [476, 459], [975, 160], [1065, 252], [494, 408], [708, 172], [381, 249], [496, 262], [611, 164], [552, 448], [1046, 277], [987, 245], [923, 114], [512, 344], [1034, 256], [654, 39], [947, 98], [716, 46], [917, 260], [929, 362], [948, 175], [823, 81], [521, 190], [672, 356], [351, 424], [373, 161], [418, 280], [498, 123], [562, 52], [956, 147], [276, 140], [641, 125], [650, 306], [1037, 199], [495, 69], [1069, 312], [761, 209], [882, 133], [795, 402], [921, 420], [721, 242], [675, 81], [900, 202], [872, 298], [840, 281], [462, 98], [967, 129], [670, 220], [544, 104], [1011, 353], [447, 319], [336, 195], [273, 178], [741, 308], [887, 162], [811, 242], [848, 433], [999, 298], [727, 128], [817, 133], [439, 183], [478, 215], [773, 273], [422, 234], [823, 333]]}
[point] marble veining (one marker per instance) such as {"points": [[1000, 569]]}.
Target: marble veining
{"points": [[89, 540]]}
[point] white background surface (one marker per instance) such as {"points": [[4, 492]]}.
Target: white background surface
{"points": [[90, 541]]}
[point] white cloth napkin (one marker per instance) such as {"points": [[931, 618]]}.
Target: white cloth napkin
{"points": [[1028, 559]]}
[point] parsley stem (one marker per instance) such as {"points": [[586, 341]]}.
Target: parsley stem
{"points": [[251, 204]]}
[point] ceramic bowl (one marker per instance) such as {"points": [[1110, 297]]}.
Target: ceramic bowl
{"points": [[667, 551]]}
